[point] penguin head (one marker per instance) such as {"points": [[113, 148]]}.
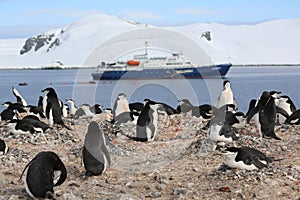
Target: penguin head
{"points": [[284, 99], [85, 106], [121, 96], [155, 106], [231, 150], [265, 97], [70, 101], [48, 90], [93, 128], [275, 94], [58, 166], [6, 104], [184, 101], [226, 84], [146, 101]]}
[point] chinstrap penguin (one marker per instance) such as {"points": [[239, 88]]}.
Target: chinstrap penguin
{"points": [[146, 128], [226, 96], [95, 155], [52, 108], [45, 171], [246, 158], [266, 110]]}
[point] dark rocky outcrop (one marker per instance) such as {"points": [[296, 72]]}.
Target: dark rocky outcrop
{"points": [[38, 42]]}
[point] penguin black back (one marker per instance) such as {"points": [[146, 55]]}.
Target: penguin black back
{"points": [[41, 172], [250, 157], [95, 154], [266, 110]]}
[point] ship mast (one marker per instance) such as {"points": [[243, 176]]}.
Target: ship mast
{"points": [[146, 50]]}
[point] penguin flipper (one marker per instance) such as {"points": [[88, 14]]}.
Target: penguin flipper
{"points": [[65, 126], [258, 163], [282, 111], [152, 128], [60, 166], [20, 99]]}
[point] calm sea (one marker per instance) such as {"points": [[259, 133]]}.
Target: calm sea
{"points": [[247, 83]]}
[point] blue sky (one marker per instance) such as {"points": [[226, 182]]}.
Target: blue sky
{"points": [[23, 18]]}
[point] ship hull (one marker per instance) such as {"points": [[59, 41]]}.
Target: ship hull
{"points": [[213, 71]]}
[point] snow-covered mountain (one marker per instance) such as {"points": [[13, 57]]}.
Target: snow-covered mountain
{"points": [[273, 42]]}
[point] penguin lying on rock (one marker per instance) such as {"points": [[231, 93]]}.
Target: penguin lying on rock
{"points": [[246, 158]]}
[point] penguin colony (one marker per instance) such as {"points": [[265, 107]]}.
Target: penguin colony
{"points": [[46, 170]]}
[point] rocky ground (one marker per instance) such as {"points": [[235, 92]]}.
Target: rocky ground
{"points": [[179, 164]]}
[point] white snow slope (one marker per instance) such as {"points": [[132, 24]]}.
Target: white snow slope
{"points": [[272, 42]]}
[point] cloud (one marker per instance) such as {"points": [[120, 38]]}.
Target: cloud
{"points": [[197, 11], [132, 14], [72, 13]]}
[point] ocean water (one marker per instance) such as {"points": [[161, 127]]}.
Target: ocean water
{"points": [[246, 82]]}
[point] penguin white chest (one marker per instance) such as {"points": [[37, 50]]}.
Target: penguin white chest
{"points": [[50, 119], [122, 106], [226, 97], [45, 103], [285, 106], [231, 162], [214, 132]]}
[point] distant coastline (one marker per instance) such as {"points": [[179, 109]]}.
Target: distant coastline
{"points": [[74, 67]]}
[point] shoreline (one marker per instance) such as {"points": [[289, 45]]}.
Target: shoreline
{"points": [[73, 67]]}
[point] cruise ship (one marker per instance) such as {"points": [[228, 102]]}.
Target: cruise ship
{"points": [[162, 67]]}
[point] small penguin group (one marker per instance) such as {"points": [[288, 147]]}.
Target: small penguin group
{"points": [[144, 115], [264, 111], [49, 107]]}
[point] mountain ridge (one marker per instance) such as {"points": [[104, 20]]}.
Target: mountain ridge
{"points": [[271, 42]]}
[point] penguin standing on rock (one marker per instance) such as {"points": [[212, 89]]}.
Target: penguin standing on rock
{"points": [[226, 96], [52, 108], [146, 128], [95, 155], [266, 110], [45, 171]]}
